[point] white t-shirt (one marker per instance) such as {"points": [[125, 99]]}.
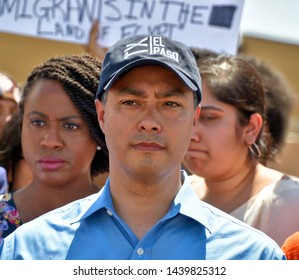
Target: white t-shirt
{"points": [[274, 210]]}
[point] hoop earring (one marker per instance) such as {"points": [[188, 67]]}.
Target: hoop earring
{"points": [[98, 148], [255, 150]]}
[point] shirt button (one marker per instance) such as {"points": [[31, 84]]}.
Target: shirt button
{"points": [[109, 212], [140, 251]]}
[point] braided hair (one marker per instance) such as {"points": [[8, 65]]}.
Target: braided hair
{"points": [[79, 77]]}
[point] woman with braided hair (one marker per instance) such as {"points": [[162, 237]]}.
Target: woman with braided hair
{"points": [[61, 139]]}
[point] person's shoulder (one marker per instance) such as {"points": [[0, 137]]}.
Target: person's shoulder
{"points": [[71, 210], [279, 185], [290, 179], [62, 216], [228, 231], [47, 236], [287, 185], [9, 215], [221, 223], [225, 224]]}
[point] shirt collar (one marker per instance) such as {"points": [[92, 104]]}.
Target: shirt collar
{"points": [[190, 204], [186, 203]]}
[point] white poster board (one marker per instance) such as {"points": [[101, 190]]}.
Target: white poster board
{"points": [[211, 24]]}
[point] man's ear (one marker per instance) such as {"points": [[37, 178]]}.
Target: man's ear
{"points": [[100, 112], [253, 128]]}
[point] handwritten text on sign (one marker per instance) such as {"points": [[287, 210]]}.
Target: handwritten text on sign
{"points": [[212, 24]]}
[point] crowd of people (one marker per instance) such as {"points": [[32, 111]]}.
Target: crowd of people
{"points": [[182, 144]]}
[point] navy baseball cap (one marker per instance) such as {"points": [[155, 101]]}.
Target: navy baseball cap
{"points": [[142, 50]]}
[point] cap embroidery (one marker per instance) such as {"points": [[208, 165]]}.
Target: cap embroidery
{"points": [[154, 46]]}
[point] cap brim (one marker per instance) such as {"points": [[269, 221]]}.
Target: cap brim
{"points": [[142, 62]]}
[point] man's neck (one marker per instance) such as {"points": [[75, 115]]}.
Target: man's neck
{"points": [[140, 204]]}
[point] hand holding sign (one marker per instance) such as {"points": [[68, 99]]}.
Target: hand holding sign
{"points": [[93, 47]]}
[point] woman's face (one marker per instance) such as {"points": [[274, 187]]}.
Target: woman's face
{"points": [[56, 141], [217, 148]]}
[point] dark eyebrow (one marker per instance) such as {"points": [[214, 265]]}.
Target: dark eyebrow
{"points": [[132, 91], [141, 93], [172, 92], [62, 119]]}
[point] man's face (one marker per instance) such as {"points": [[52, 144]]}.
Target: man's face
{"points": [[148, 119]]}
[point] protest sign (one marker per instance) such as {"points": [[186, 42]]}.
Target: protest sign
{"points": [[211, 24]]}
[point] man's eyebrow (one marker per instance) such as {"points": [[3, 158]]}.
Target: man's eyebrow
{"points": [[162, 94], [171, 92], [132, 91]]}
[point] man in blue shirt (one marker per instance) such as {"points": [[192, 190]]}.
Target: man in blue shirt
{"points": [[147, 104]]}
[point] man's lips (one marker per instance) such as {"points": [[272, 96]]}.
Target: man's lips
{"points": [[148, 146]]}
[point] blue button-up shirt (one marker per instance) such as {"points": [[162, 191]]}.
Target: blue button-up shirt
{"points": [[91, 229]]}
